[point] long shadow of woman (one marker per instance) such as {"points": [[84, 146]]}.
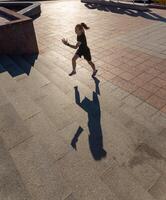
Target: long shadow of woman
{"points": [[94, 122]]}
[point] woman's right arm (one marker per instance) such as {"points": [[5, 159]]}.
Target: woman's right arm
{"points": [[74, 46], [70, 45]]}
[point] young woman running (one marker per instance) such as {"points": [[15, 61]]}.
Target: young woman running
{"points": [[83, 49]]}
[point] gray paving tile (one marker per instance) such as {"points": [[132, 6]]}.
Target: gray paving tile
{"points": [[124, 185], [132, 100], [70, 197], [18, 98], [40, 125], [11, 184], [78, 174], [3, 98], [59, 81], [12, 127], [158, 190], [77, 136], [117, 140], [55, 95], [163, 133], [146, 110], [159, 119], [120, 94], [145, 174], [35, 159], [158, 143], [62, 64], [56, 112], [34, 80]]}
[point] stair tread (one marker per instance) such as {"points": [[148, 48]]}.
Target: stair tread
{"points": [[10, 66]]}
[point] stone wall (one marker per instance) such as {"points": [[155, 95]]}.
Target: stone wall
{"points": [[17, 36]]}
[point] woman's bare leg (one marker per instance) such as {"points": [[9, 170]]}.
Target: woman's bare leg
{"points": [[93, 67], [75, 57]]}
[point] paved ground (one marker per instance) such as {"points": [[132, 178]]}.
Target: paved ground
{"points": [[106, 138]]}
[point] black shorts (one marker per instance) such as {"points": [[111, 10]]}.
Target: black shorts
{"points": [[84, 52]]}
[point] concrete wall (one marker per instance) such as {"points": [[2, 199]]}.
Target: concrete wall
{"points": [[17, 36]]}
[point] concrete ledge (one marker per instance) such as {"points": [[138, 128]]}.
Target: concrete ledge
{"points": [[29, 9], [125, 5], [17, 35], [13, 17], [157, 6]]}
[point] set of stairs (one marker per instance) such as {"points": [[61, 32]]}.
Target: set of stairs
{"points": [[38, 119]]}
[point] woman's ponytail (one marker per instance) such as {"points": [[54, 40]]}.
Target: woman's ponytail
{"points": [[84, 26]]}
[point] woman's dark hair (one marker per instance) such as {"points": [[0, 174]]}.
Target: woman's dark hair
{"points": [[82, 26]]}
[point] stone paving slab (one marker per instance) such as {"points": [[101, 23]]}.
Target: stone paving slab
{"points": [[12, 129], [126, 187], [146, 175], [18, 97], [11, 184], [3, 98], [150, 40], [80, 180], [158, 191]]}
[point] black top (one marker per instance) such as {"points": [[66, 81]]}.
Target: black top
{"points": [[82, 38]]}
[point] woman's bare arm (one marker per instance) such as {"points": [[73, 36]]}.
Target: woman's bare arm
{"points": [[70, 45], [74, 46]]}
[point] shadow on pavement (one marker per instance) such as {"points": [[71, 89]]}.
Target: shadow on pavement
{"points": [[17, 65], [94, 122], [134, 13], [76, 136]]}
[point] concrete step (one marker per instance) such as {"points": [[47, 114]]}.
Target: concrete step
{"points": [[12, 127], [10, 66], [57, 76], [12, 185], [14, 107], [32, 83], [25, 66], [110, 103], [59, 61], [106, 103], [3, 98], [83, 75], [17, 95], [30, 58], [60, 110], [50, 99], [84, 81], [43, 66], [37, 160], [54, 96]]}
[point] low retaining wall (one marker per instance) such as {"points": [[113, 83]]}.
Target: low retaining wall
{"points": [[17, 35], [29, 9]]}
